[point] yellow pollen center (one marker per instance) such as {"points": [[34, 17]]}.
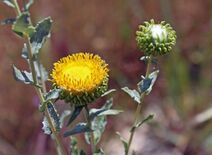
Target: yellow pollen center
{"points": [[79, 72]]}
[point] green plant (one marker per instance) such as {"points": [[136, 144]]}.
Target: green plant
{"points": [[153, 39], [82, 78]]}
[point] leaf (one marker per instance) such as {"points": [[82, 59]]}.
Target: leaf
{"points": [[41, 71], [22, 25], [124, 142], [9, 3], [147, 83], [108, 92], [27, 5], [74, 149], [74, 114], [8, 21], [95, 112], [54, 116], [24, 52], [98, 117], [99, 152], [50, 96], [144, 84], [42, 30], [46, 128], [65, 114], [145, 120], [22, 76], [110, 112], [146, 58], [53, 94], [98, 126], [79, 128], [133, 94], [108, 104], [104, 110]]}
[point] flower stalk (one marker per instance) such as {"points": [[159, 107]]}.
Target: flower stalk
{"points": [[92, 144], [138, 110], [56, 137]]}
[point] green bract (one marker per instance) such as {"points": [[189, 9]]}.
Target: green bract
{"points": [[83, 98], [155, 39]]}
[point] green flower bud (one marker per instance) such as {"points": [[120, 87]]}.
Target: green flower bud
{"points": [[155, 39]]}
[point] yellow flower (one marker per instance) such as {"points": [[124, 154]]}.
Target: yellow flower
{"points": [[81, 76]]}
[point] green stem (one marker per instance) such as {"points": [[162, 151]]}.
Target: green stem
{"points": [[61, 149], [93, 146], [138, 109], [17, 9]]}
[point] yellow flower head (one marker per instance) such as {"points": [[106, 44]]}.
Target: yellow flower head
{"points": [[80, 74]]}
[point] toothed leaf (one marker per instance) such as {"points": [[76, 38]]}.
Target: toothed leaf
{"points": [[54, 116], [147, 83], [8, 21], [133, 94], [9, 3], [22, 25], [42, 30], [53, 94], [79, 128], [74, 114], [22, 76], [46, 129]]}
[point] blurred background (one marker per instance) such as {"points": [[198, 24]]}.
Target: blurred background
{"points": [[181, 100]]}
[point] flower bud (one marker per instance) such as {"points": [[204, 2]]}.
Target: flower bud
{"points": [[155, 39]]}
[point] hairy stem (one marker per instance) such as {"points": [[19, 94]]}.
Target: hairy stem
{"points": [[93, 146], [56, 137], [138, 109]]}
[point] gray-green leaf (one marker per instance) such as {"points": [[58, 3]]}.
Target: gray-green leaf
{"points": [[46, 129], [22, 76], [54, 116], [98, 117], [99, 152], [74, 149], [79, 128], [108, 92], [41, 71], [22, 25], [8, 21], [42, 30], [110, 112], [64, 114], [74, 114], [9, 3], [53, 94], [27, 6], [133, 94], [147, 83]]}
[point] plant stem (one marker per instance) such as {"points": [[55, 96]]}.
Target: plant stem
{"points": [[56, 137], [17, 9], [138, 109], [93, 146]]}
